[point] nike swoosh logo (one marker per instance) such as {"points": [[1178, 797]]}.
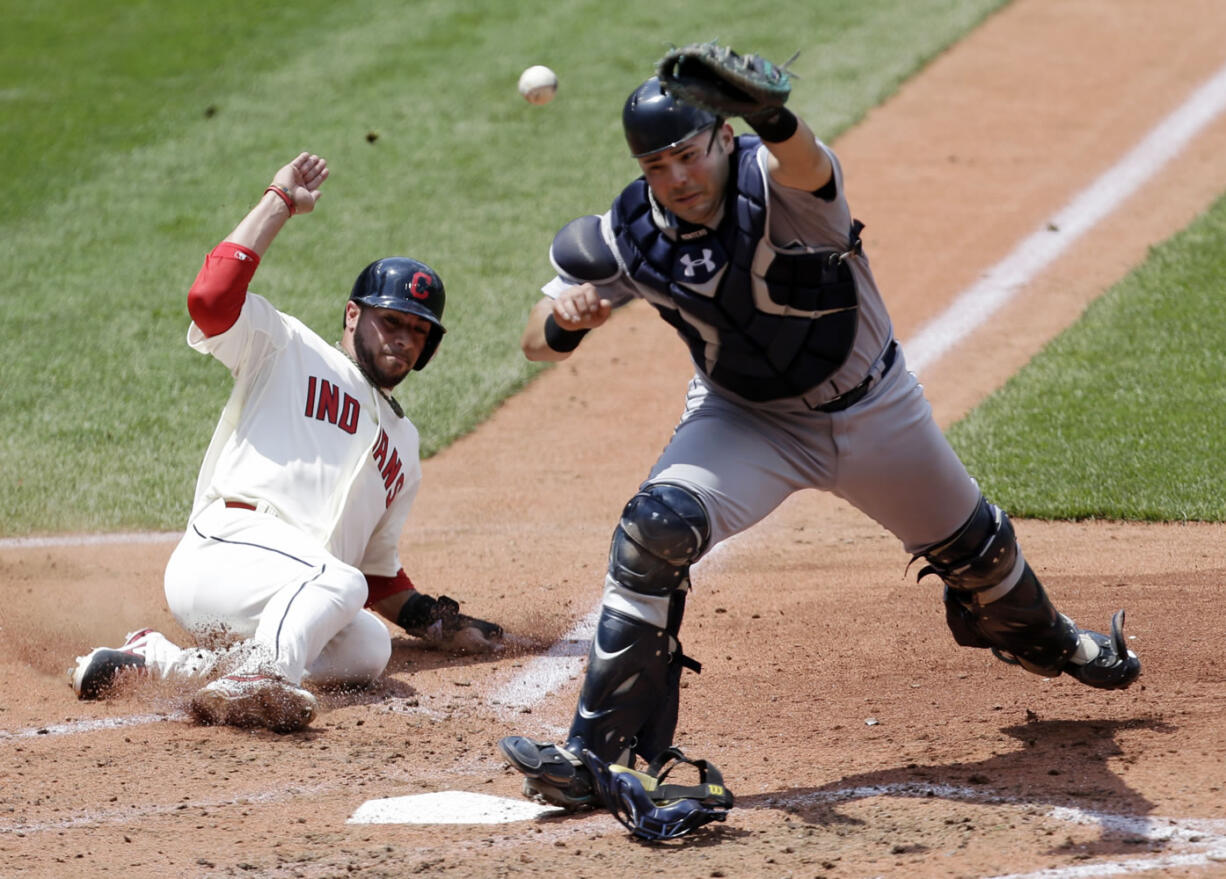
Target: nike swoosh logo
{"points": [[600, 654]]}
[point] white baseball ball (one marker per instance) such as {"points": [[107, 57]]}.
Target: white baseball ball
{"points": [[538, 84]]}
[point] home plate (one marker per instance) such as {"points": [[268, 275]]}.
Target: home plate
{"points": [[448, 807]]}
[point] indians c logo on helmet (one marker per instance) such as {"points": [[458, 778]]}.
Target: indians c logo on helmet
{"points": [[419, 286]]}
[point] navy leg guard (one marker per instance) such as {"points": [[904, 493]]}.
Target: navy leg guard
{"points": [[631, 692], [1020, 624], [629, 703], [628, 707]]}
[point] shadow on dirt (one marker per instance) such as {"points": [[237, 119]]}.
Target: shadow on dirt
{"points": [[1061, 764]]}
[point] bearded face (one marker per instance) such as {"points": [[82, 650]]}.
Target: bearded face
{"points": [[387, 343]]}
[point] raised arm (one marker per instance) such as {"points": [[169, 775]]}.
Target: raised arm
{"points": [[294, 190], [726, 83], [216, 298], [799, 162]]}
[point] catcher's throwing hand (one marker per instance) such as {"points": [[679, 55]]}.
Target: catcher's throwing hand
{"points": [[581, 308], [302, 178], [721, 81]]}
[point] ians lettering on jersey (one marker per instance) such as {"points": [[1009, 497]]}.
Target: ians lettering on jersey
{"points": [[387, 459], [326, 402]]}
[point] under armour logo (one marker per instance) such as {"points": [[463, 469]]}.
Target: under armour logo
{"points": [[692, 264]]}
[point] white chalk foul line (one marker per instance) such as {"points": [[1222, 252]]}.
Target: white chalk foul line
{"points": [[975, 305], [545, 674], [84, 726], [1124, 868], [89, 539], [1201, 842], [1206, 838], [99, 724], [96, 818]]}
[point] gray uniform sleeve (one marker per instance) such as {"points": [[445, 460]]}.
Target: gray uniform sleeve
{"points": [[799, 218]]}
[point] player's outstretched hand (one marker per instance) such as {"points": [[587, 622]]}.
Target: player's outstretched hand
{"points": [[581, 308], [302, 178], [443, 627]]}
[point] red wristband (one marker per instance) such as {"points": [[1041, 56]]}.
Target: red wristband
{"points": [[282, 193]]}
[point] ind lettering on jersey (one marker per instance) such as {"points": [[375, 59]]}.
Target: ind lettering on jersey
{"points": [[325, 402], [387, 459]]}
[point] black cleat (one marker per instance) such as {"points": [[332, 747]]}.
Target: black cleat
{"points": [[95, 674], [552, 774], [1114, 666], [99, 670]]}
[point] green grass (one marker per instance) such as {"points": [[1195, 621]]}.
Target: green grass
{"points": [[136, 134], [1123, 416]]}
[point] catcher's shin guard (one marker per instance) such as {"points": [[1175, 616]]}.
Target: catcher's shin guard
{"points": [[1022, 625], [1023, 628], [628, 705], [983, 608], [630, 695]]}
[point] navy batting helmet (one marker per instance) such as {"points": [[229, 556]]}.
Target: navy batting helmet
{"points": [[404, 284], [654, 120]]}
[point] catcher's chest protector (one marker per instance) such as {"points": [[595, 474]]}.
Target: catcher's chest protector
{"points": [[765, 336]]}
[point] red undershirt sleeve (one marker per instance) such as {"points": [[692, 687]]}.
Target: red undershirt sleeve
{"points": [[380, 588], [220, 289]]}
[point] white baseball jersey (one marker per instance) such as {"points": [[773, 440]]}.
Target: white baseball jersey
{"points": [[305, 436], [331, 470]]}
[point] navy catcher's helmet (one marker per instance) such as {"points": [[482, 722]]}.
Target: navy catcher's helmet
{"points": [[654, 120], [404, 284]]}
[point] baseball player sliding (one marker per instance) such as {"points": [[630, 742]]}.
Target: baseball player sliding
{"points": [[746, 246], [303, 492]]}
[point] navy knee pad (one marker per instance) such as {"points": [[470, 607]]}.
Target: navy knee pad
{"points": [[663, 530]]}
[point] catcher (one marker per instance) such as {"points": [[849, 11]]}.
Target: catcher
{"points": [[303, 493], [746, 246]]}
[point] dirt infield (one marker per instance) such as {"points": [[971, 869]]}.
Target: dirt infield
{"points": [[859, 740]]}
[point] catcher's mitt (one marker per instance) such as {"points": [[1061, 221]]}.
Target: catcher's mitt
{"points": [[716, 79]]}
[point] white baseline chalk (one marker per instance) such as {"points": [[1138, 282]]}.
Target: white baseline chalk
{"points": [[980, 301]]}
